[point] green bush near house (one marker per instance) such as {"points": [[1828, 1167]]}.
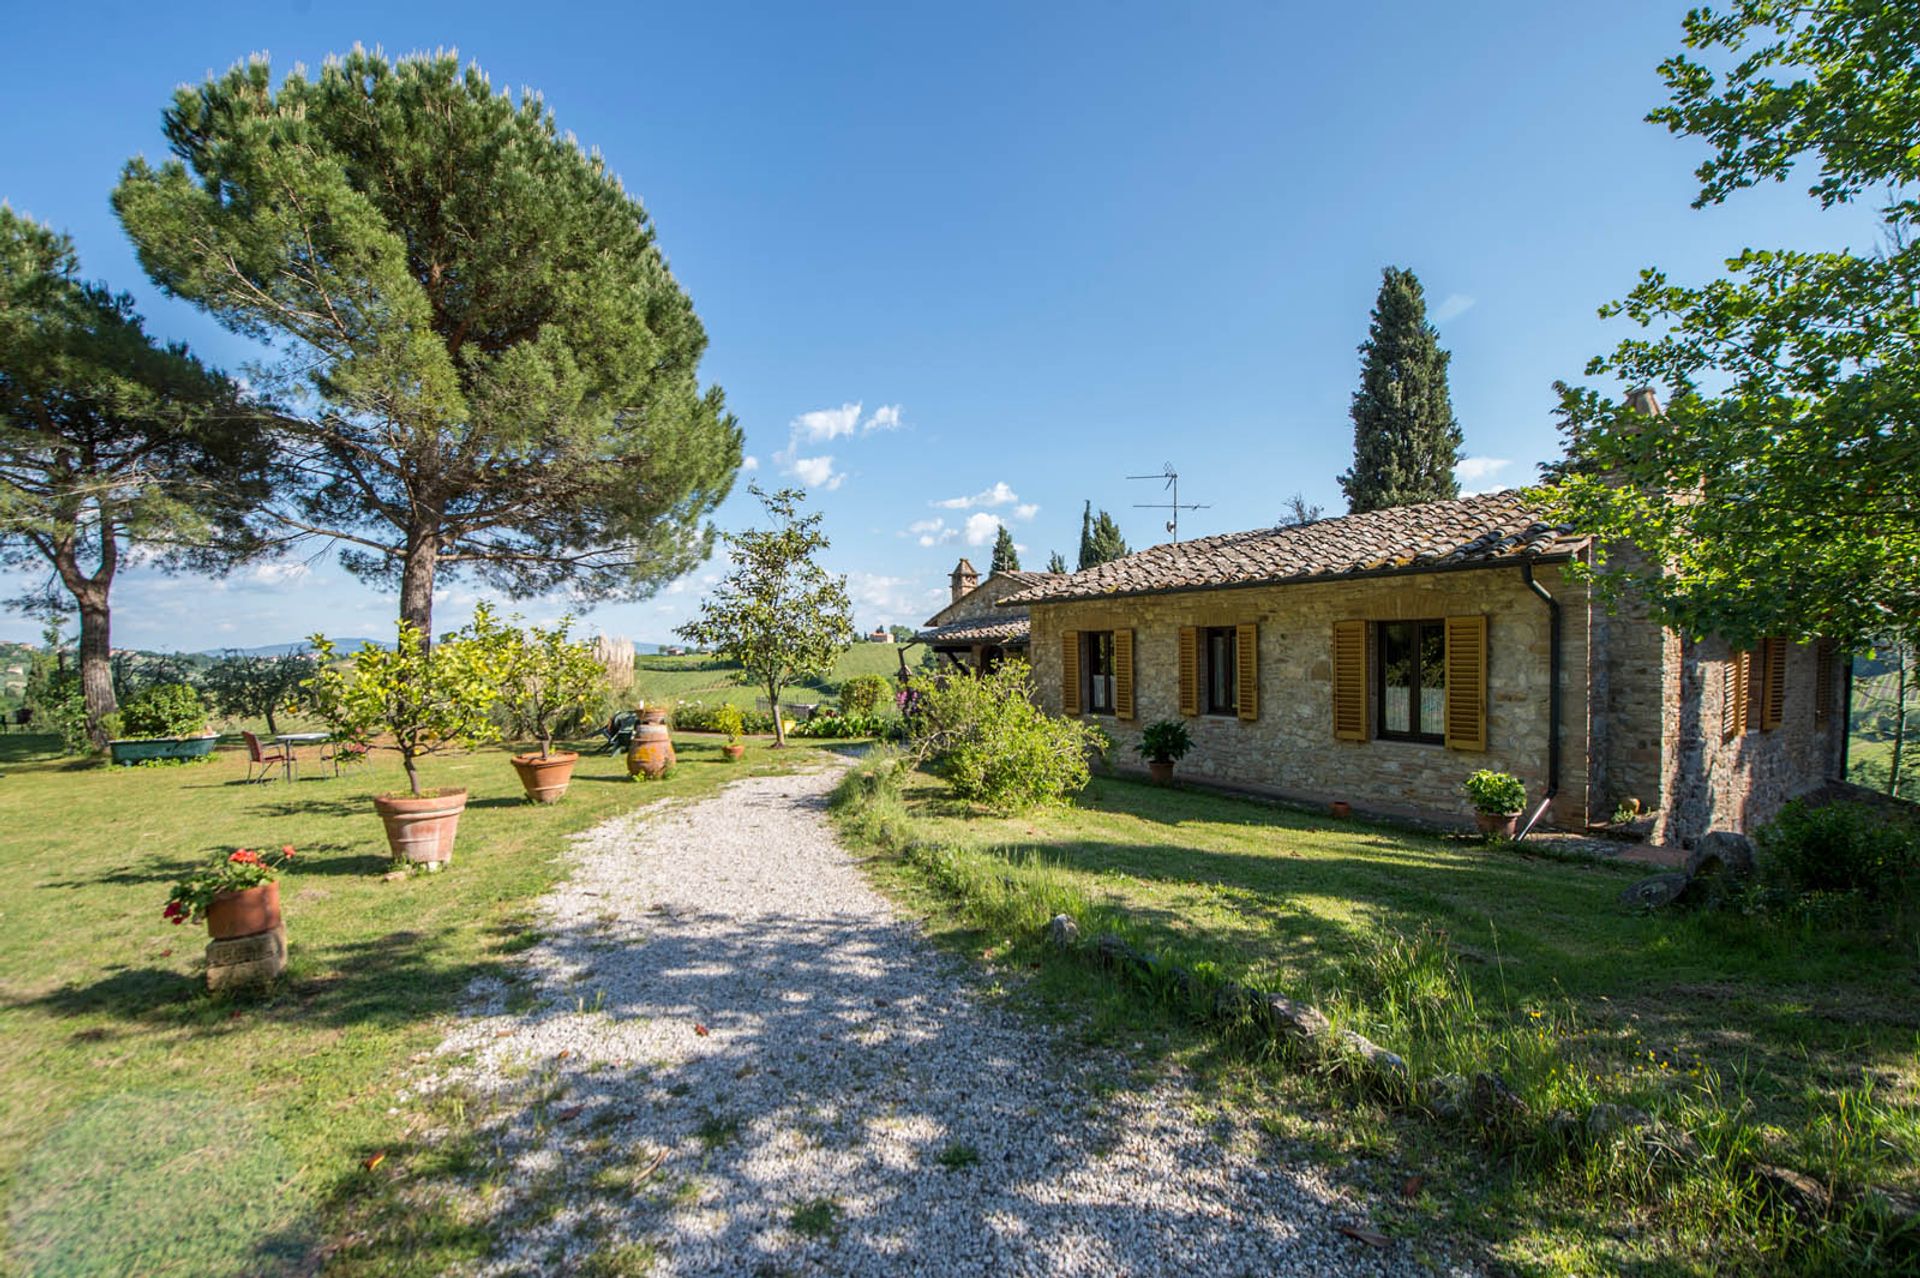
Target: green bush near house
{"points": [[1845, 848], [1495, 793], [1165, 742], [865, 694], [990, 738]]}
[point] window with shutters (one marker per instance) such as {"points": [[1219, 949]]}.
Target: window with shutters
{"points": [[1096, 671], [1410, 686], [1220, 664], [1734, 694], [1773, 683]]}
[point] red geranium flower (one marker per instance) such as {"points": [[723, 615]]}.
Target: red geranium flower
{"points": [[245, 857], [286, 850]]}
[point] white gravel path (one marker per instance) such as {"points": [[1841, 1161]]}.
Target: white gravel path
{"points": [[729, 1024]]}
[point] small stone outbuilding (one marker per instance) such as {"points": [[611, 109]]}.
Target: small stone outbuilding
{"points": [[973, 632], [1380, 658]]}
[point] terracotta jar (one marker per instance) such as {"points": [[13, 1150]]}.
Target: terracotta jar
{"points": [[1161, 770], [545, 780], [422, 830], [244, 913], [733, 750], [651, 753], [1341, 809]]}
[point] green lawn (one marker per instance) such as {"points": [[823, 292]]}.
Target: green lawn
{"points": [[151, 1128], [710, 680], [1462, 957]]}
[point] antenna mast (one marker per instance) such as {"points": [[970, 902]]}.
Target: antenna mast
{"points": [[1173, 505]]}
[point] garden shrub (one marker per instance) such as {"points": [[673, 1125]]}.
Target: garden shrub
{"points": [[864, 694], [59, 706], [826, 724], [700, 716], [1840, 848], [165, 710], [994, 743]]}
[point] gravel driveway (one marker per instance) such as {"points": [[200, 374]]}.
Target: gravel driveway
{"points": [[738, 1059]]}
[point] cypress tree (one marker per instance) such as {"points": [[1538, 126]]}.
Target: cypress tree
{"points": [[1006, 556], [1056, 562], [1086, 537], [1100, 541], [1406, 439]]}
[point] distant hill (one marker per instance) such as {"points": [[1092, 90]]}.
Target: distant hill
{"points": [[300, 645]]}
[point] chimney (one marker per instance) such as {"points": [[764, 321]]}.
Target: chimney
{"points": [[1642, 400], [964, 580]]}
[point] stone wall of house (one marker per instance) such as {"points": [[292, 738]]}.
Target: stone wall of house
{"points": [[1290, 750], [1717, 782], [978, 603]]}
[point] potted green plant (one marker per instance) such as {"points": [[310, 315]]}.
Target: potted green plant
{"points": [[237, 894], [730, 721], [1498, 799], [547, 683], [166, 721], [416, 700], [1162, 745]]}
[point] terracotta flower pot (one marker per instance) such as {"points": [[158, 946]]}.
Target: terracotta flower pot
{"points": [[1161, 770], [733, 750], [245, 913], [545, 780], [422, 830], [653, 714], [1506, 825], [652, 751], [1341, 808]]}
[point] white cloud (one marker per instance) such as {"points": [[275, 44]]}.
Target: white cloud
{"points": [[930, 532], [814, 472], [889, 600], [1026, 512], [982, 528], [998, 495], [1452, 306], [279, 573], [750, 463], [1479, 470], [885, 417], [826, 423]]}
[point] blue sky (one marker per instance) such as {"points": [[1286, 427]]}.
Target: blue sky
{"points": [[990, 259]]}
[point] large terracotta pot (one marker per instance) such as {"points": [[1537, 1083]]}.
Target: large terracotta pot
{"points": [[652, 751], [1161, 770], [1505, 825], [245, 913], [422, 830], [733, 750], [545, 780]]}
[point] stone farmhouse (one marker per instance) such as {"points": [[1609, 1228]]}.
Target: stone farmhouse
{"points": [[973, 632], [1379, 658]]}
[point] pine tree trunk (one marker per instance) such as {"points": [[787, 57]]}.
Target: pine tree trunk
{"points": [[1899, 722], [416, 583], [96, 664]]}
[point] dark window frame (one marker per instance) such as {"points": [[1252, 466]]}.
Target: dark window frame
{"points": [[1381, 731], [1089, 646], [1231, 636]]}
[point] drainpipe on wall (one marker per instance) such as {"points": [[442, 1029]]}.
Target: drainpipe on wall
{"points": [[1553, 695]]}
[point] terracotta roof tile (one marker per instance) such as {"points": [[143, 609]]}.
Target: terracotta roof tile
{"points": [[1491, 528]]}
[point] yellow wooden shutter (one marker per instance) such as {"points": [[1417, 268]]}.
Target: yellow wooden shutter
{"points": [[1246, 676], [1070, 672], [1823, 680], [1733, 693], [1123, 674], [1189, 670], [1773, 683], [1350, 680], [1466, 659]]}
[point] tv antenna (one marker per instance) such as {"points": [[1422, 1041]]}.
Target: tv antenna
{"points": [[1173, 505]]}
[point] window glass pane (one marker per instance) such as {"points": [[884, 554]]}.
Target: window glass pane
{"points": [[1100, 670], [1219, 670], [1433, 679], [1396, 669]]}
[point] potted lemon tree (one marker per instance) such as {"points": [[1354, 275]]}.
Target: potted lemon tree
{"points": [[730, 721], [416, 700], [547, 683]]}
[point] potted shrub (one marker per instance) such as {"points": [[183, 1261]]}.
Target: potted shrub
{"points": [[730, 721], [167, 721], [237, 894], [1498, 798], [548, 681], [1162, 745], [417, 701]]}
